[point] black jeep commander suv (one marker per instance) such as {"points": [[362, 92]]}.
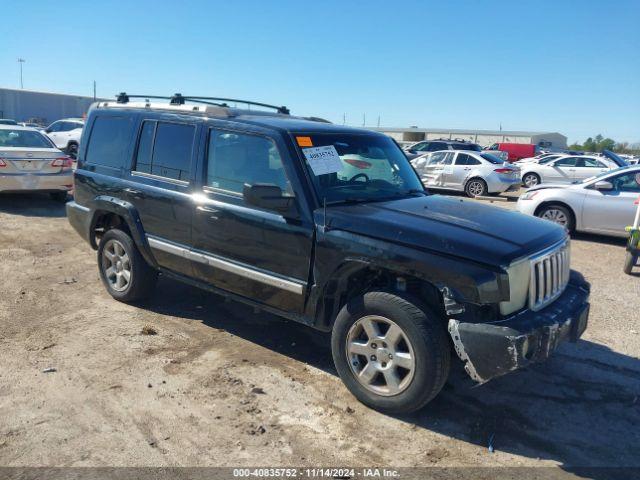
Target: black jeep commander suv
{"points": [[329, 226]]}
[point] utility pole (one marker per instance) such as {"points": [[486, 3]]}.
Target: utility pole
{"points": [[21, 61], [94, 90], [378, 121], [344, 119], [364, 119]]}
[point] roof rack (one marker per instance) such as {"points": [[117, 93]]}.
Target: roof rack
{"points": [[179, 99]]}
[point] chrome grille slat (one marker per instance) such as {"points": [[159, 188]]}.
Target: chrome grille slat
{"points": [[550, 272]]}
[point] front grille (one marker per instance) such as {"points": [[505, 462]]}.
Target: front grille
{"points": [[549, 276]]}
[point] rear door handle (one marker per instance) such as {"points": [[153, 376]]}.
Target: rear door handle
{"points": [[211, 211]]}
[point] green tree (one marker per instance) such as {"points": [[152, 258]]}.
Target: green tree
{"points": [[589, 145]]}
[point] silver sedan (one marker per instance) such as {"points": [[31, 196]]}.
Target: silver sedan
{"points": [[30, 162], [475, 173], [604, 204]]}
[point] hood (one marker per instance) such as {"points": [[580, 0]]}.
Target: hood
{"points": [[451, 226], [621, 162]]}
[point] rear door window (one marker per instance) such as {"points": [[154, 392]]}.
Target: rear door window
{"points": [[465, 159], [566, 162], [109, 141], [165, 150]]}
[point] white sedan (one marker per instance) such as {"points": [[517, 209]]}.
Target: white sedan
{"points": [[602, 204], [475, 173], [566, 169]]}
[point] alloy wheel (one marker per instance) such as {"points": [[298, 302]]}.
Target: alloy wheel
{"points": [[531, 180], [555, 215], [476, 188], [116, 265], [380, 355]]}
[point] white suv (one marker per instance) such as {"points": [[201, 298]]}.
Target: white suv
{"points": [[66, 134]]}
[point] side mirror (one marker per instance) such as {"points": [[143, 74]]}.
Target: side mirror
{"points": [[604, 186], [269, 197]]}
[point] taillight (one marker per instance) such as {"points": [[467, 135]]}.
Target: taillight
{"points": [[2, 162], [503, 170], [361, 164], [64, 162]]}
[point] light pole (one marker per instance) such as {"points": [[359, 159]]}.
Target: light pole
{"points": [[21, 61]]}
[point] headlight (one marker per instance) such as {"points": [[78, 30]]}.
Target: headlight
{"points": [[519, 277], [529, 195]]}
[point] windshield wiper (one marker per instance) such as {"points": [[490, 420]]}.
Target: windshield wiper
{"points": [[350, 201]]}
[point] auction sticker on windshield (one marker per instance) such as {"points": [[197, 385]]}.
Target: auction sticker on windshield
{"points": [[323, 160]]}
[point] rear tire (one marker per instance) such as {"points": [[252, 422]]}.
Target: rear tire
{"points": [[531, 180], [392, 354], [72, 150], [123, 271], [630, 261], [476, 187]]}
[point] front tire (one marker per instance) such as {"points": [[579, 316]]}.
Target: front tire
{"points": [[558, 214], [630, 261], [391, 353], [123, 271]]}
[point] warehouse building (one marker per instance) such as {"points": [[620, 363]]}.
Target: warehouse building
{"points": [[41, 107], [485, 138]]}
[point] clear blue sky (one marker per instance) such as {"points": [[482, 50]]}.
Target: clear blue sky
{"points": [[562, 65]]}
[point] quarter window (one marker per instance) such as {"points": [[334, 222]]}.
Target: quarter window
{"points": [[590, 162], [165, 150], [109, 141], [236, 159]]}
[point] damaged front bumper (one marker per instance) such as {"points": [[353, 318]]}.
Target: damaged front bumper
{"points": [[493, 349]]}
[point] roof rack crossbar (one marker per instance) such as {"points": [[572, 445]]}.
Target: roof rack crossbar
{"points": [[178, 99], [284, 110]]}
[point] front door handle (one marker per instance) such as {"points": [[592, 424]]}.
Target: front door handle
{"points": [[134, 193]]}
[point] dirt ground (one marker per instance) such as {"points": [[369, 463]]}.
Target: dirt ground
{"points": [[219, 385]]}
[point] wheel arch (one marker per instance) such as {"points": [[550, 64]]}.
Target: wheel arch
{"points": [[528, 173], [475, 177], [354, 278], [560, 203], [110, 212]]}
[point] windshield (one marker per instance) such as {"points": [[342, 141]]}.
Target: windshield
{"points": [[492, 158], [23, 138], [467, 146], [357, 167]]}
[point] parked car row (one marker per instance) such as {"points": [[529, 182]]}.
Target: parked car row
{"points": [[64, 133], [567, 169], [476, 173], [602, 204], [29, 161]]}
